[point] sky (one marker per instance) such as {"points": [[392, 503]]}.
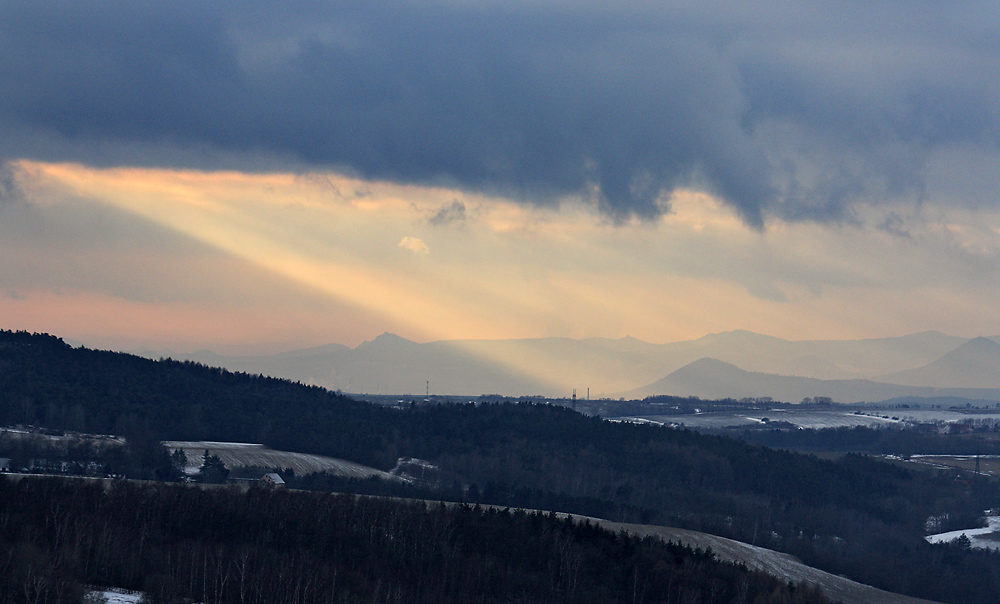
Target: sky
{"points": [[252, 177]]}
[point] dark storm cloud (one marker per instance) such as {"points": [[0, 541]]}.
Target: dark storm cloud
{"points": [[784, 110], [448, 213], [10, 192]]}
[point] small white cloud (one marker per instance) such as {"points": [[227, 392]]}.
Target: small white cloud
{"points": [[415, 245]]}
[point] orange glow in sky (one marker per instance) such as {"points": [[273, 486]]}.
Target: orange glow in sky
{"points": [[260, 262]]}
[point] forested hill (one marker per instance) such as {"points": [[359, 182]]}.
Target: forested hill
{"points": [[44, 381], [267, 546], [855, 516], [47, 382]]}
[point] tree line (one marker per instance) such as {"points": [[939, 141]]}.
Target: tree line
{"points": [[263, 546], [893, 441]]}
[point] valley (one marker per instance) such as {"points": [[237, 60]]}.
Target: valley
{"points": [[735, 364], [902, 415], [829, 497]]}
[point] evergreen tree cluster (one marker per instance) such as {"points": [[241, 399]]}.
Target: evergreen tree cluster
{"points": [[262, 546]]}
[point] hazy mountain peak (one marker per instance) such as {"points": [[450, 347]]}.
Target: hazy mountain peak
{"points": [[738, 335], [980, 355], [974, 364], [323, 349], [977, 346], [386, 340], [706, 365]]}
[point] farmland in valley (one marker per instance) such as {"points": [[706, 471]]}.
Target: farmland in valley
{"points": [[240, 455], [846, 416]]}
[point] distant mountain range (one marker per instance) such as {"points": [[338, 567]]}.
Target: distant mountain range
{"points": [[974, 364], [714, 379], [731, 364]]}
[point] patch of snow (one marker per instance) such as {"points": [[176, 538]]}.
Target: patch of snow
{"points": [[978, 537], [963, 457], [636, 420], [114, 595], [238, 455]]}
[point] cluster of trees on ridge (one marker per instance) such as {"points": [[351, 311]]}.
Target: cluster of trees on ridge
{"points": [[263, 546], [872, 440], [852, 516]]}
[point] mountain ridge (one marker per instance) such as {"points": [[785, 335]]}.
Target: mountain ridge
{"points": [[714, 379], [391, 364], [974, 364]]}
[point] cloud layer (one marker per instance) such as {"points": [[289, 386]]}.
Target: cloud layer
{"points": [[785, 110], [226, 260]]}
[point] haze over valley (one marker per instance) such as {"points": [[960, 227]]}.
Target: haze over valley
{"points": [[735, 364]]}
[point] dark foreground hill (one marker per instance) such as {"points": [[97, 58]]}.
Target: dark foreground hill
{"points": [[853, 516], [181, 544]]}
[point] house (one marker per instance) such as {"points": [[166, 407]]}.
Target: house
{"points": [[272, 479]]}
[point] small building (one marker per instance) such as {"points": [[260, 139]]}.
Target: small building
{"points": [[272, 479], [960, 428], [4, 464]]}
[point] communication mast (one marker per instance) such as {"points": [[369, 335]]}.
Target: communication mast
{"points": [[574, 399]]}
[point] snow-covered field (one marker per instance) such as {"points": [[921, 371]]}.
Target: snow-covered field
{"points": [[802, 419], [948, 416], [782, 566], [812, 418], [113, 596], [95, 439], [987, 537], [988, 464], [236, 455]]}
